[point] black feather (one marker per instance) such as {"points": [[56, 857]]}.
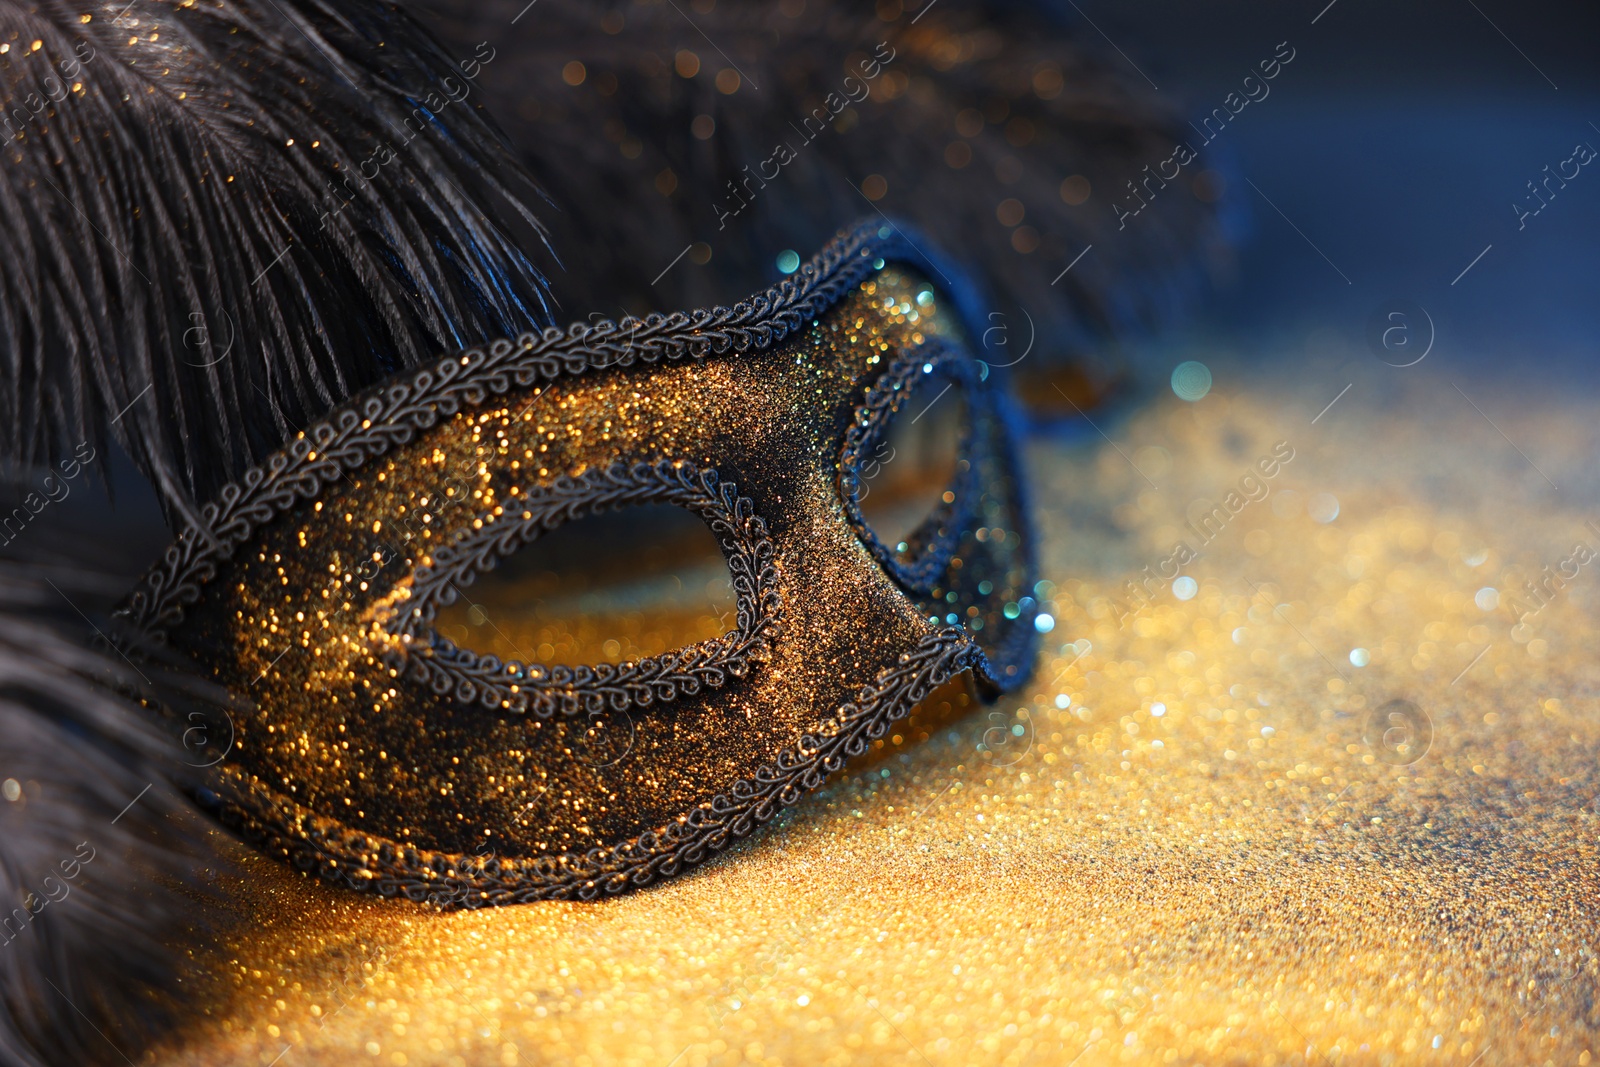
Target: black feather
{"points": [[613, 142], [103, 865], [181, 269]]}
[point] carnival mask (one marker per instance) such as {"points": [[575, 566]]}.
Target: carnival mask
{"points": [[379, 752]]}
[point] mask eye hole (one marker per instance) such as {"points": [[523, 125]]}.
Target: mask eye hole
{"points": [[911, 441], [412, 625], [610, 587], [907, 475]]}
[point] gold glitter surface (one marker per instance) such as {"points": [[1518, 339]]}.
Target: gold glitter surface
{"points": [[1189, 840]]}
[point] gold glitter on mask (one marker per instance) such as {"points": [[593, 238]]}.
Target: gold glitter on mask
{"points": [[382, 754]]}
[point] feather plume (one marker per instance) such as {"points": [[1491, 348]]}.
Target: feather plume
{"points": [[106, 871], [224, 216], [689, 143]]}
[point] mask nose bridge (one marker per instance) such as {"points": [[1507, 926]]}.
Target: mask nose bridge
{"points": [[833, 580]]}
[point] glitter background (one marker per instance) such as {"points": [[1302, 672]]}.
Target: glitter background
{"points": [[1207, 855]]}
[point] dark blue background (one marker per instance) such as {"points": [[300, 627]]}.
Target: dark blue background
{"points": [[1397, 140]]}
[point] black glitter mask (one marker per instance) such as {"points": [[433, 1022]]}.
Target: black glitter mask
{"points": [[381, 754]]}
